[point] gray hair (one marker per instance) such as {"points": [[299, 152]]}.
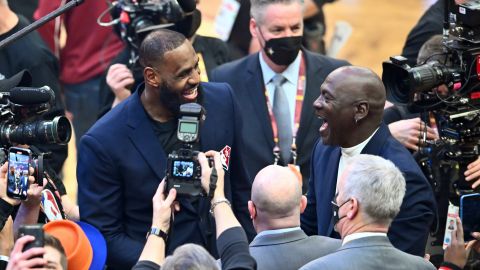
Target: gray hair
{"points": [[190, 257], [377, 184], [258, 7]]}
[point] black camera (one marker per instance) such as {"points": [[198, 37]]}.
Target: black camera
{"points": [[20, 123], [183, 169], [134, 19], [446, 86]]}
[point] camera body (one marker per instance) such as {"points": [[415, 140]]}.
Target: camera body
{"points": [[183, 169]]}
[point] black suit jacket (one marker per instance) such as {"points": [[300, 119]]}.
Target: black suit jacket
{"points": [[245, 77], [121, 163], [409, 229]]}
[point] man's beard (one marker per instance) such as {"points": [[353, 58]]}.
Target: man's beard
{"points": [[170, 100]]}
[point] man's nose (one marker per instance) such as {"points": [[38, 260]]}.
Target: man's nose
{"points": [[194, 77]]}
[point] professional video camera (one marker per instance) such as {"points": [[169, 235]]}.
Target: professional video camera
{"points": [[20, 109], [134, 19], [183, 169], [455, 108]]}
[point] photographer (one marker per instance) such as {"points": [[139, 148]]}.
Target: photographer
{"points": [[123, 157], [231, 239], [52, 255], [41, 64]]}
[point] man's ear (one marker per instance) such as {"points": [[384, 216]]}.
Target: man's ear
{"points": [[303, 204], [361, 110], [253, 27], [251, 210], [353, 209], [151, 77]]}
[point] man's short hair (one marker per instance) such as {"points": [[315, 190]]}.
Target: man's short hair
{"points": [[377, 184], [191, 257], [52, 241], [156, 44], [257, 8], [432, 50]]}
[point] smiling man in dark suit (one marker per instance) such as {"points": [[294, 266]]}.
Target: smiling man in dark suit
{"points": [[276, 87], [123, 157]]}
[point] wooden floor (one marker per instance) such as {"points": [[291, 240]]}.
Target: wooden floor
{"points": [[379, 31]]}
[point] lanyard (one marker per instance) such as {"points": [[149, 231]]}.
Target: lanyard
{"points": [[298, 112]]}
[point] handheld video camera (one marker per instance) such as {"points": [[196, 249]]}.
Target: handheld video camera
{"points": [[20, 123], [134, 19], [447, 85], [183, 169]]}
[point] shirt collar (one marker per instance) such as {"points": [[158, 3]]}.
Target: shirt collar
{"points": [[278, 231], [291, 73], [355, 236], [357, 149]]}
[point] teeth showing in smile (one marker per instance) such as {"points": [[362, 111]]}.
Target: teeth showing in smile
{"points": [[324, 126], [190, 94]]}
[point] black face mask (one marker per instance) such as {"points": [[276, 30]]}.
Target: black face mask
{"points": [[336, 209], [283, 51]]}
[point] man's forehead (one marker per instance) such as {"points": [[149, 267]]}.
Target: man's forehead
{"points": [[272, 15], [179, 57]]}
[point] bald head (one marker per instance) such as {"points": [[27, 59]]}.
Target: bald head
{"points": [[276, 192], [360, 83]]}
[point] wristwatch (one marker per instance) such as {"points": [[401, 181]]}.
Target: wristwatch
{"points": [[158, 232]]}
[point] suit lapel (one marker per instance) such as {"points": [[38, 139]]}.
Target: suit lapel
{"points": [[312, 91], [143, 137], [256, 90], [331, 174], [374, 146]]}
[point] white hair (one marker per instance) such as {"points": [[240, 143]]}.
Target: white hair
{"points": [[190, 257], [377, 184], [257, 8]]}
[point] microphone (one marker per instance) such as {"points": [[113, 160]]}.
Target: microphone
{"points": [[30, 95], [188, 6]]}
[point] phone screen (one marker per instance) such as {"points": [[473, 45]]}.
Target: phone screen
{"points": [[18, 164], [470, 214]]}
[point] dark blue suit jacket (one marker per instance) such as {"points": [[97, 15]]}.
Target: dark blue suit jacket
{"points": [[121, 163], [409, 230], [245, 77]]}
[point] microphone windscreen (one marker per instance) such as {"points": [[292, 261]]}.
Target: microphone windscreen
{"points": [[187, 6], [31, 95]]}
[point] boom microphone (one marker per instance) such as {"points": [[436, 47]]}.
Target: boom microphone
{"points": [[188, 6], [30, 95]]}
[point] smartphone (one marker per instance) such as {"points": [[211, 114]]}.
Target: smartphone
{"points": [[36, 230], [450, 225], [19, 160], [470, 214]]}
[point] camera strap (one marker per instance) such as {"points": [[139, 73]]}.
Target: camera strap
{"points": [[213, 183], [298, 111]]}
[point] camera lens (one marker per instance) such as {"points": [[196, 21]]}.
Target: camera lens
{"points": [[56, 131]]}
